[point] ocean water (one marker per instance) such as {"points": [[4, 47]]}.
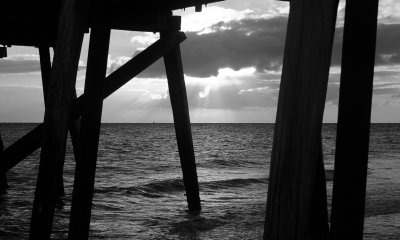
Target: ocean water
{"points": [[139, 193]]}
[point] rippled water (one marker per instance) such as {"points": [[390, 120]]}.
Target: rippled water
{"points": [[139, 193]]}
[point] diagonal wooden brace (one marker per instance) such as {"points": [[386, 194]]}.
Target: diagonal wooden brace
{"points": [[180, 110], [32, 140]]}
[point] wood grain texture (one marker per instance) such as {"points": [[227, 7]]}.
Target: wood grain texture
{"points": [[180, 110], [296, 154]]}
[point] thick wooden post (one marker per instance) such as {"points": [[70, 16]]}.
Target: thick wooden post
{"points": [[180, 110], [45, 67], [57, 113], [89, 135], [319, 227], [352, 142], [296, 193]]}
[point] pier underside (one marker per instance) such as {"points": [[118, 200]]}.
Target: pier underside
{"points": [[297, 202], [61, 25]]}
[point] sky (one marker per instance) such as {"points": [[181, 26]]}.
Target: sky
{"points": [[232, 60]]}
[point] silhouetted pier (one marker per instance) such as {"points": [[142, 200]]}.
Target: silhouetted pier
{"points": [[297, 202], [62, 25]]}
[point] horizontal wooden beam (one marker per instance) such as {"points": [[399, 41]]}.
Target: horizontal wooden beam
{"points": [[28, 31], [51, 7], [179, 4], [31, 141], [142, 23]]}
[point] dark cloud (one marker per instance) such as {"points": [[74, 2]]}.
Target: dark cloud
{"points": [[237, 44], [260, 43], [332, 95], [387, 45], [248, 43]]}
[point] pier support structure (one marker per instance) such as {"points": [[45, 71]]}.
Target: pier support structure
{"points": [[90, 129], [59, 101], [45, 67], [63, 109], [353, 127], [297, 205], [180, 110]]}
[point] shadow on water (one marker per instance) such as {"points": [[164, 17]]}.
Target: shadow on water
{"points": [[193, 226]]}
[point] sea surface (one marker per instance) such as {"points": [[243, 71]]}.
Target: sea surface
{"points": [[139, 193]]}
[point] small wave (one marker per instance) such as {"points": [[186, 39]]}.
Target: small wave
{"points": [[108, 207], [165, 186], [220, 162], [9, 234], [176, 184], [198, 224], [236, 182], [152, 189], [158, 189], [110, 189]]}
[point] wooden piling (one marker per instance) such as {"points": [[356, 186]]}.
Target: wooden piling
{"points": [[319, 226], [57, 113], [180, 110], [296, 189], [89, 135], [352, 141], [45, 67]]}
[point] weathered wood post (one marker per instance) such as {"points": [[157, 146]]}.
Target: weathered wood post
{"points": [[296, 205], [3, 174], [45, 67], [352, 141], [90, 129], [57, 113], [180, 110]]}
